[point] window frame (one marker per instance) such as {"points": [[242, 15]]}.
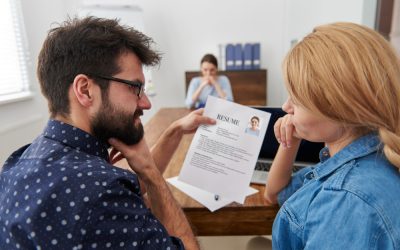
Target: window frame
{"points": [[22, 53]]}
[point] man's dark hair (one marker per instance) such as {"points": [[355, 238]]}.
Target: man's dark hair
{"points": [[210, 58], [89, 45]]}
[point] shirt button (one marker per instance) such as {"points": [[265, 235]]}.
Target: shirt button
{"points": [[311, 175], [325, 153]]}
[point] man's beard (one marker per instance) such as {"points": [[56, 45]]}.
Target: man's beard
{"points": [[111, 122]]}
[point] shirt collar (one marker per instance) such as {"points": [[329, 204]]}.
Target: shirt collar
{"points": [[75, 138], [360, 147]]}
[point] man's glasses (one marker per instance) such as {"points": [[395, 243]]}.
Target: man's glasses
{"points": [[136, 85]]}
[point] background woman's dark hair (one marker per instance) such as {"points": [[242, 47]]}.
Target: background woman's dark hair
{"points": [[86, 46], [210, 58]]}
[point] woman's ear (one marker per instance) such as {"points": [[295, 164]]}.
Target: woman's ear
{"points": [[83, 88]]}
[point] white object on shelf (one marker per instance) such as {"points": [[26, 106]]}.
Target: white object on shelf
{"points": [[108, 3]]}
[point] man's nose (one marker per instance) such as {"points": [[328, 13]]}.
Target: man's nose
{"points": [[144, 102]]}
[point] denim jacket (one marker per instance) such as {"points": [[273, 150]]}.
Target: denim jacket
{"points": [[348, 201]]}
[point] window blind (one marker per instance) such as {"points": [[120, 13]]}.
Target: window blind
{"points": [[13, 50]]}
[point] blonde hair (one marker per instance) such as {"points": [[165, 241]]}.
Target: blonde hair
{"points": [[350, 74]]}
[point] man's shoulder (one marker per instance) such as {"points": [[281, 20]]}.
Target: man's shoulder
{"points": [[92, 169], [64, 166], [14, 157]]}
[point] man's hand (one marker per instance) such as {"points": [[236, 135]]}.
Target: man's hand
{"points": [[158, 197], [192, 121], [165, 147], [138, 156], [115, 156]]}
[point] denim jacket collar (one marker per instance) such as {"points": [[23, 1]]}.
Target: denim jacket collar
{"points": [[360, 147]]}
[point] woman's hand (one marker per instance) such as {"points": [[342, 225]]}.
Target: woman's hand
{"points": [[280, 173], [285, 132], [213, 80], [205, 80]]}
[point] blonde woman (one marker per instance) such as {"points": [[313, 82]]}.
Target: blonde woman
{"points": [[343, 81]]}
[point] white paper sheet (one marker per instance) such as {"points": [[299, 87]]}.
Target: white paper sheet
{"points": [[206, 198], [221, 157]]}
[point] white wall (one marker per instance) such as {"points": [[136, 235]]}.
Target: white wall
{"points": [[184, 31], [301, 22]]}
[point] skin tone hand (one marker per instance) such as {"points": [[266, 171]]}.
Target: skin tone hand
{"points": [[159, 198], [285, 132], [217, 87], [192, 121], [138, 155], [115, 156], [204, 82], [165, 147], [281, 170], [212, 81]]}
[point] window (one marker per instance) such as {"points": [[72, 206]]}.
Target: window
{"points": [[14, 53]]}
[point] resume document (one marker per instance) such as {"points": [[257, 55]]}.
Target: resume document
{"points": [[221, 157]]}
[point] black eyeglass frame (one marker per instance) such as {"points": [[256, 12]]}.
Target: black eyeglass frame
{"points": [[136, 84]]}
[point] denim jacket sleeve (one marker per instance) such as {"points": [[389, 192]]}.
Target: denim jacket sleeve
{"points": [[295, 183]]}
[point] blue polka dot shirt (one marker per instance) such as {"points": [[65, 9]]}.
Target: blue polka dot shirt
{"points": [[60, 192]]}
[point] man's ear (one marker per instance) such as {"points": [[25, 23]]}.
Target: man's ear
{"points": [[84, 90]]}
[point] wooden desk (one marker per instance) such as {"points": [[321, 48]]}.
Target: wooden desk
{"points": [[255, 217]]}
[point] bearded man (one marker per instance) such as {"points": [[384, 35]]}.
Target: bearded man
{"points": [[62, 190]]}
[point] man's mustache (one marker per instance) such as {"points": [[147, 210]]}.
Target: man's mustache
{"points": [[138, 113]]}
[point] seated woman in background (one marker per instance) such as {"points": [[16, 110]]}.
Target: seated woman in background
{"points": [[343, 81], [210, 83]]}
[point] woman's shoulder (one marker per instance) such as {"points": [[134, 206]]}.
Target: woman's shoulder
{"points": [[223, 77], [370, 178], [195, 80]]}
